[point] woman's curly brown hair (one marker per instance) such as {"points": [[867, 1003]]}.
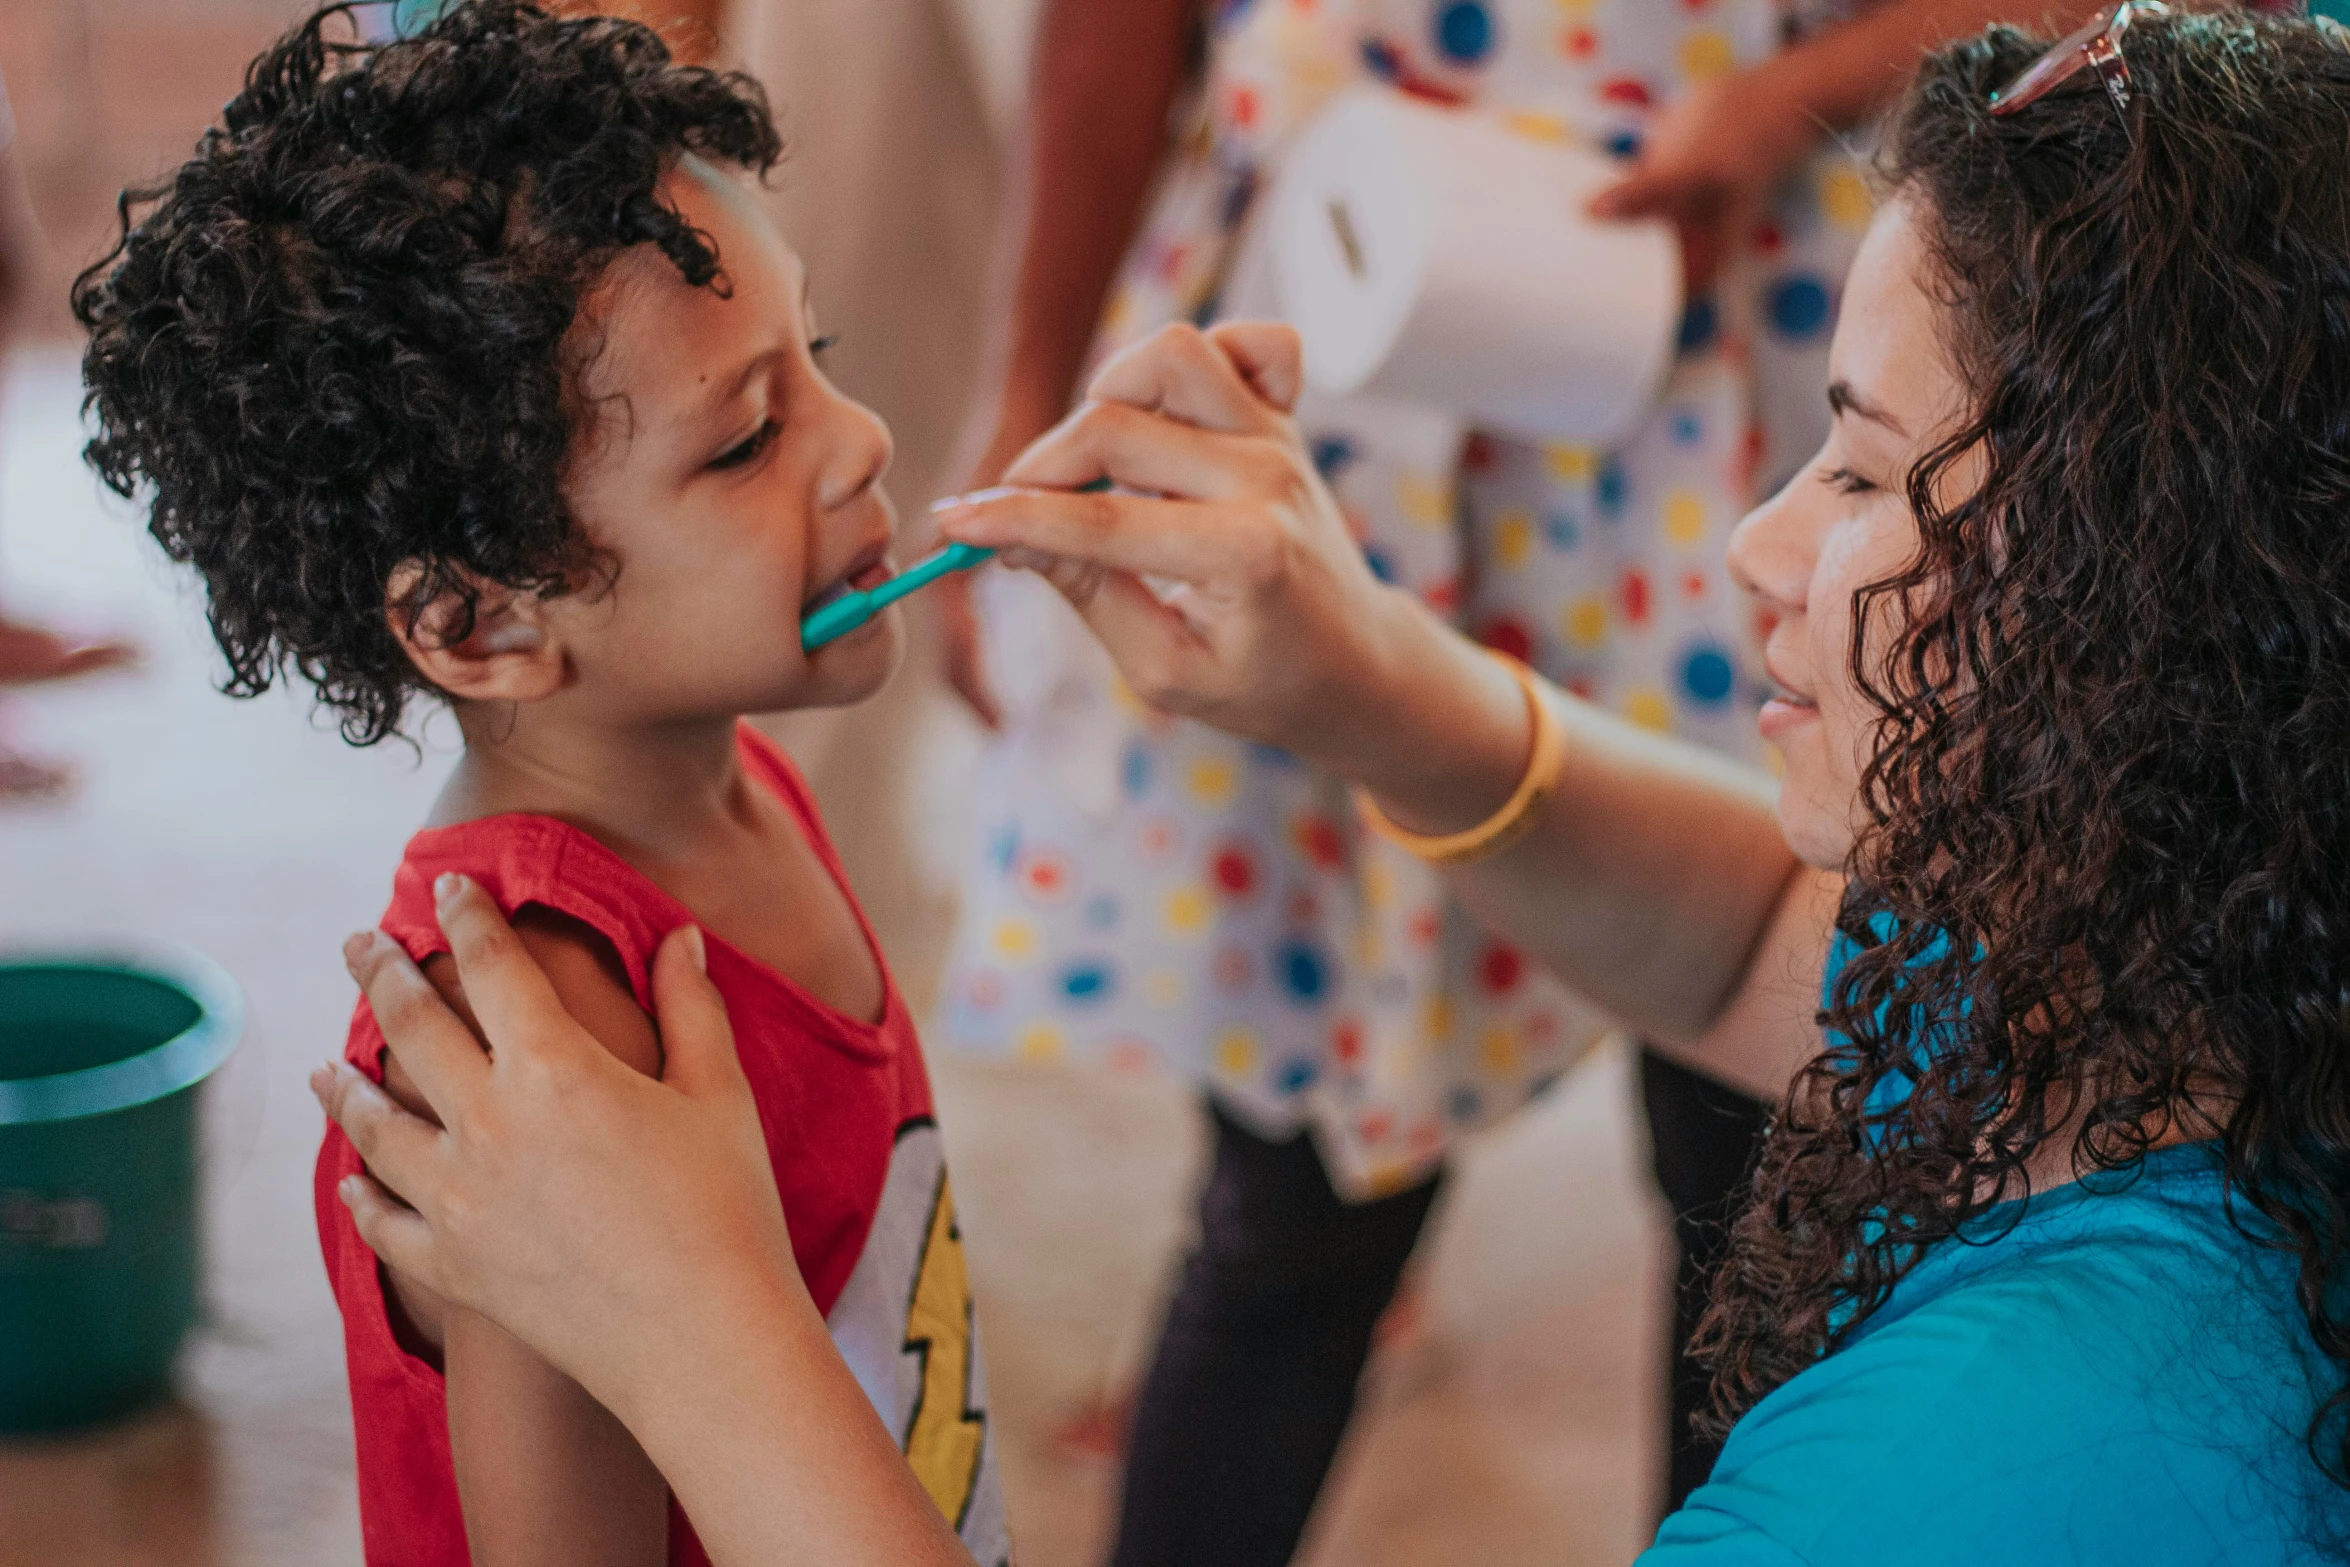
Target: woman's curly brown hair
{"points": [[2105, 874], [332, 343]]}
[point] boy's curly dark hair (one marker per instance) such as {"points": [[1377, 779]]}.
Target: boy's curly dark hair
{"points": [[2106, 869], [332, 342]]}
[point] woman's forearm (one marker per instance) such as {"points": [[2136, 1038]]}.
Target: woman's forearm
{"points": [[1654, 880], [778, 1459]]}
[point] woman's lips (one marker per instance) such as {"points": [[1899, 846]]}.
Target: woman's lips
{"points": [[1784, 712]]}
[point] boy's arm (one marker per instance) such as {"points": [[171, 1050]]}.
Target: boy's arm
{"points": [[547, 1476]]}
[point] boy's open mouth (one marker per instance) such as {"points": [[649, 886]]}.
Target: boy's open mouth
{"points": [[869, 569]]}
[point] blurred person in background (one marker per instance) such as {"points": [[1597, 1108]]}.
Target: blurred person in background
{"points": [[1150, 891], [31, 653]]}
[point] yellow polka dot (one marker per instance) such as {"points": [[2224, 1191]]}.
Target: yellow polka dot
{"points": [[1585, 621], [1424, 502], [1378, 884], [1370, 951], [1236, 1052], [1188, 909], [1773, 762], [1570, 463], [1497, 1050], [1015, 940], [1575, 9], [1387, 1178], [1437, 1019], [1844, 197], [1119, 319], [1649, 708], [1211, 779], [1538, 127], [1040, 1042], [1684, 517], [1162, 987], [1707, 55], [1128, 703], [1513, 538]]}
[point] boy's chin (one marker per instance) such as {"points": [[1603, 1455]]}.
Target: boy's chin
{"points": [[850, 670]]}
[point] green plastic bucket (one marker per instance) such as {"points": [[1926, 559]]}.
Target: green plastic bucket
{"points": [[101, 1056]]}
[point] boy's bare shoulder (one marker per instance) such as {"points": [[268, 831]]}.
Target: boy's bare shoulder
{"points": [[588, 979]]}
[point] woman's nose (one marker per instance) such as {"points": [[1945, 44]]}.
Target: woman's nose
{"points": [[1773, 546]]}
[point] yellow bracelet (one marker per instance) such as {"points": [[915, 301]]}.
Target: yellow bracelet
{"points": [[1504, 826]]}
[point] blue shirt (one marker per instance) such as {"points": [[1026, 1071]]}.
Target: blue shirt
{"points": [[2122, 1377]]}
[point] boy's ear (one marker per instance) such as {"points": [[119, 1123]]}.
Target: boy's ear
{"points": [[507, 654]]}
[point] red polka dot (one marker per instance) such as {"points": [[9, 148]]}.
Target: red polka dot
{"points": [[1159, 838], [1633, 594], [1425, 928], [1234, 971], [1240, 107], [1500, 969], [1320, 841], [1628, 90], [1304, 908], [1132, 1055], [1541, 1028], [1693, 585], [1579, 43], [1581, 685], [1442, 596], [1767, 238], [1346, 1041], [1510, 636], [1426, 1137], [1045, 875], [1172, 261], [1478, 454], [1235, 870], [1766, 621], [1375, 1126]]}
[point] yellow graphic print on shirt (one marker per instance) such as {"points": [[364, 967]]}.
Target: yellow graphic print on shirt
{"points": [[947, 1435]]}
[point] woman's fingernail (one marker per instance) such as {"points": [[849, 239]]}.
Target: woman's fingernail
{"points": [[348, 1189], [994, 492], [321, 1079], [696, 949], [355, 947], [446, 886]]}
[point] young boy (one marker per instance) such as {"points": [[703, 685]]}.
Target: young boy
{"points": [[464, 366]]}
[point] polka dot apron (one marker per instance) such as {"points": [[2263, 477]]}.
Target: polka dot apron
{"points": [[1159, 897]]}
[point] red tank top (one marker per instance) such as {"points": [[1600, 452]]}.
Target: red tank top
{"points": [[846, 1108]]}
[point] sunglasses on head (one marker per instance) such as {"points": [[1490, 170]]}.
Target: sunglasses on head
{"points": [[2095, 47]]}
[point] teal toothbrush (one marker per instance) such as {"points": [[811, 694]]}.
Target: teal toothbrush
{"points": [[851, 610]]}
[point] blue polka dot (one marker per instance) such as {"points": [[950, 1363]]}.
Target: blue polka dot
{"points": [[1610, 489], [1332, 453], [1294, 1076], [1304, 971], [1087, 982], [1238, 199], [1701, 323], [1003, 848], [1464, 31], [1688, 429], [1707, 675], [1798, 306], [1464, 1103], [1562, 530], [1101, 911], [1272, 756], [1382, 59], [1134, 770], [1381, 563], [1624, 145]]}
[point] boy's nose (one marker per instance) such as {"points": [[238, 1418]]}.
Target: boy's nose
{"points": [[862, 455]]}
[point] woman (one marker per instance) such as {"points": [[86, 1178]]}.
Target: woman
{"points": [[2048, 1260]]}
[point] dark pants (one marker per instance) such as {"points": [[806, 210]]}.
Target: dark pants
{"points": [[1271, 1325]]}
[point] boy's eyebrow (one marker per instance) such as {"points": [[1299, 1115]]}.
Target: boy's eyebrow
{"points": [[1844, 400]]}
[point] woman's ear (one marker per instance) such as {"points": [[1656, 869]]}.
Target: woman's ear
{"points": [[506, 652]]}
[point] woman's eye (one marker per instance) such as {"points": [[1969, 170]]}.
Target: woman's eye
{"points": [[1846, 480], [745, 451], [817, 347]]}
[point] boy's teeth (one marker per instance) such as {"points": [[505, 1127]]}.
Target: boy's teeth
{"points": [[838, 590]]}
